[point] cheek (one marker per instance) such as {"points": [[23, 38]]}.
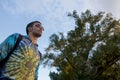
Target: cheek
{"points": [[34, 29], [37, 31]]}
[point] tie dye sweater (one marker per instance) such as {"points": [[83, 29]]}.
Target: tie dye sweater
{"points": [[24, 61]]}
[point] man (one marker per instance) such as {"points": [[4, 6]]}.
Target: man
{"points": [[23, 62]]}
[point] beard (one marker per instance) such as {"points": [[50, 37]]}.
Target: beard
{"points": [[37, 34]]}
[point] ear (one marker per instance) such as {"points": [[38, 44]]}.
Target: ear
{"points": [[29, 29]]}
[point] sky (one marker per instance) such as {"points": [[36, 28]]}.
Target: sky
{"points": [[16, 14]]}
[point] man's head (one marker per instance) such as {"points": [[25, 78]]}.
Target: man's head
{"points": [[35, 28]]}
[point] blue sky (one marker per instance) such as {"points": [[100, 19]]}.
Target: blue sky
{"points": [[16, 14]]}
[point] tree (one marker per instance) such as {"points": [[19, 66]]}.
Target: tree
{"points": [[89, 52]]}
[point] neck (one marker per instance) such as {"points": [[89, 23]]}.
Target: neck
{"points": [[33, 39]]}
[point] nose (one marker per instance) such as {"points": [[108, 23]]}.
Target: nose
{"points": [[41, 28]]}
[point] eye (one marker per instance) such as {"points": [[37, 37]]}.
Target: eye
{"points": [[37, 25]]}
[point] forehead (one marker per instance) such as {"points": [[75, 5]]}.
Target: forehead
{"points": [[37, 23]]}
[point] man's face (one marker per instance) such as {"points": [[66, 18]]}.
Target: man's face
{"points": [[37, 29]]}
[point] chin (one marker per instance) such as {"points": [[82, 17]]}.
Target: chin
{"points": [[37, 35]]}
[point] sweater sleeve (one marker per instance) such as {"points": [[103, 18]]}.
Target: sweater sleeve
{"points": [[7, 45]]}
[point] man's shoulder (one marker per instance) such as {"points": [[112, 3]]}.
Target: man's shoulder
{"points": [[15, 34], [13, 37]]}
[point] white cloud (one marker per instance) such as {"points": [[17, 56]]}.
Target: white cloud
{"points": [[108, 6], [21, 6], [53, 13], [59, 7]]}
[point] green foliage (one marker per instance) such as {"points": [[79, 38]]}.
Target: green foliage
{"points": [[89, 52]]}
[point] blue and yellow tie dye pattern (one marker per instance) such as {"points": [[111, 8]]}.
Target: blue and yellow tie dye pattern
{"points": [[24, 62]]}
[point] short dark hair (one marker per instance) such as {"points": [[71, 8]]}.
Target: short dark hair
{"points": [[30, 25]]}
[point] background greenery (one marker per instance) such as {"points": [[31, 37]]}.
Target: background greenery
{"points": [[91, 51]]}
